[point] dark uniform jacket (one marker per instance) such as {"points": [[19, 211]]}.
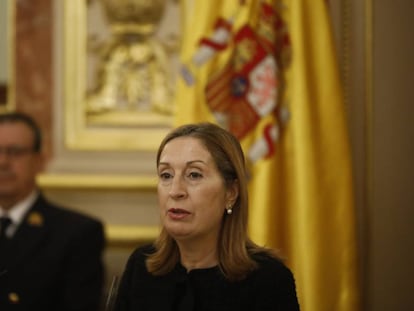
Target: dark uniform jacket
{"points": [[53, 262]]}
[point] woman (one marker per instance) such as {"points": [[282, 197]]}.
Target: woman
{"points": [[203, 258]]}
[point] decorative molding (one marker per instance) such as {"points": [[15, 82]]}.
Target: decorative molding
{"points": [[125, 236], [97, 181]]}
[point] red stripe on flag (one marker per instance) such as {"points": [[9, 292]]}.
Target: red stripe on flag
{"points": [[269, 141], [222, 23], [214, 45]]}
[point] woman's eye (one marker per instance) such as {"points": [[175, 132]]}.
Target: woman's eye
{"points": [[165, 176], [195, 175]]}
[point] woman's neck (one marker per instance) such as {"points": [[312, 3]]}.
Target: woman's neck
{"points": [[198, 257]]}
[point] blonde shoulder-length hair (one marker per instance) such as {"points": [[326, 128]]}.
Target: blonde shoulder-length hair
{"points": [[234, 246]]}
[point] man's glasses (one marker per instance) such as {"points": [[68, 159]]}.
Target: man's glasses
{"points": [[15, 151]]}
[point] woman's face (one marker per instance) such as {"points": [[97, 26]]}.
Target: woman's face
{"points": [[191, 192]]}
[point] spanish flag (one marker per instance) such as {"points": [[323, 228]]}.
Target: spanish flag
{"points": [[267, 71]]}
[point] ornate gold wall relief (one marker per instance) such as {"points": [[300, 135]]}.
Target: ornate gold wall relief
{"points": [[119, 73]]}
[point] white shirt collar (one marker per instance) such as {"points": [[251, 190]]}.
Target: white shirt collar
{"points": [[18, 211]]}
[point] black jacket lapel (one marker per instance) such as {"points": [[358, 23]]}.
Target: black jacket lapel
{"points": [[31, 232]]}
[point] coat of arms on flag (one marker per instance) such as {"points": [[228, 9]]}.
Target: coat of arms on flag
{"points": [[247, 88]]}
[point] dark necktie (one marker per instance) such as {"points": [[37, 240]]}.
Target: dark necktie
{"points": [[5, 222]]}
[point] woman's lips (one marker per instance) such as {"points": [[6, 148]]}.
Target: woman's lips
{"points": [[177, 213]]}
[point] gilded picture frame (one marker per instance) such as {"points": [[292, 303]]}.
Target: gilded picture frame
{"points": [[7, 34], [116, 130]]}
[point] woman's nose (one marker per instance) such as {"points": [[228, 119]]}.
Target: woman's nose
{"points": [[177, 189]]}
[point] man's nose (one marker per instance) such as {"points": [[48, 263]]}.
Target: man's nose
{"points": [[4, 157]]}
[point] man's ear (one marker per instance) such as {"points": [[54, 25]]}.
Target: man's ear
{"points": [[42, 162]]}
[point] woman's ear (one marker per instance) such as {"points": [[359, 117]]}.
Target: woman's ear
{"points": [[232, 192]]}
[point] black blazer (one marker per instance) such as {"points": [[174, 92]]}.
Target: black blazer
{"points": [[53, 262], [270, 287]]}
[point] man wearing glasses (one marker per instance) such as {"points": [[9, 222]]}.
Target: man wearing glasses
{"points": [[50, 257]]}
